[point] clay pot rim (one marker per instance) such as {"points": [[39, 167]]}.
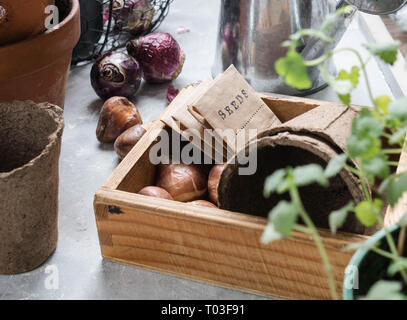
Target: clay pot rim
{"points": [[56, 113], [61, 25]]}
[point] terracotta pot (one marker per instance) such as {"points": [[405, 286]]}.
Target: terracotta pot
{"points": [[37, 68], [29, 156], [20, 19]]}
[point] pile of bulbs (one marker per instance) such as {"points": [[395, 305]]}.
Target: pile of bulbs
{"points": [[156, 57], [116, 77], [186, 183], [120, 122]]}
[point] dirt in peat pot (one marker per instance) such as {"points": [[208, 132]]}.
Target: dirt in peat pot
{"points": [[245, 193]]}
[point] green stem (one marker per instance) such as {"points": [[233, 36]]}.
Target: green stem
{"points": [[386, 135], [353, 170], [365, 188], [312, 230], [393, 151], [318, 61], [384, 253], [362, 178], [392, 246], [389, 238], [393, 163], [302, 229]]}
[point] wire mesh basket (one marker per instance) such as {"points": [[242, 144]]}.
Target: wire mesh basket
{"points": [[108, 25]]}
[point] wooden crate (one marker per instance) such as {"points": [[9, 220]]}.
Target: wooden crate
{"points": [[209, 244]]}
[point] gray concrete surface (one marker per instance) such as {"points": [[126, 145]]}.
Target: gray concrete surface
{"points": [[85, 164]]}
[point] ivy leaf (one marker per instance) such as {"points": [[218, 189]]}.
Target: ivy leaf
{"points": [[397, 266], [341, 87], [270, 234], [395, 188], [385, 290], [345, 98], [283, 187], [376, 167], [294, 71], [367, 212], [283, 217], [382, 102], [365, 147], [335, 165], [337, 218], [398, 136], [352, 76], [385, 51], [368, 125], [398, 109], [308, 174], [273, 181]]}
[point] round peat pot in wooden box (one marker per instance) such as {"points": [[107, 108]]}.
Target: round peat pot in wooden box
{"points": [[29, 155], [317, 136], [36, 68], [367, 267]]}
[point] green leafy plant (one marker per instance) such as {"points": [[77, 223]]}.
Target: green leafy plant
{"points": [[385, 119]]}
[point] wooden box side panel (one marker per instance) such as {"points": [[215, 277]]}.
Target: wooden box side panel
{"points": [[211, 250], [136, 171]]}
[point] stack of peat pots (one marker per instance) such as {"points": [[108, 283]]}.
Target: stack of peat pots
{"points": [[34, 68]]}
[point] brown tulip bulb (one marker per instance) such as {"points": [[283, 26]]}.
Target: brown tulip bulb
{"points": [[213, 182], [203, 203], [117, 115], [155, 192], [184, 182], [128, 139]]}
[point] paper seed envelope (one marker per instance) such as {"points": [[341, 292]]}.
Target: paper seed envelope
{"points": [[231, 103]]}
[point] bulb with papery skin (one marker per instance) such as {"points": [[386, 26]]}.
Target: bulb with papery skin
{"points": [[133, 16], [184, 182], [116, 74], [202, 203], [160, 56], [117, 115], [213, 182], [128, 139], [155, 192]]}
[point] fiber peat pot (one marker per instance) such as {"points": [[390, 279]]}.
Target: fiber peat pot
{"points": [[37, 68], [317, 136], [29, 155], [371, 267], [210, 244]]}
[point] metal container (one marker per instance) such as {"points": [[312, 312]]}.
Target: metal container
{"points": [[251, 33]]}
